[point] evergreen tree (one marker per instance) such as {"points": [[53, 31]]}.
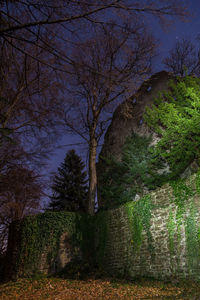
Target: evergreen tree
{"points": [[69, 185]]}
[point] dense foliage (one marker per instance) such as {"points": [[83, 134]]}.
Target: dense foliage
{"points": [[175, 118], [40, 240], [177, 121], [123, 180], [69, 185], [139, 216]]}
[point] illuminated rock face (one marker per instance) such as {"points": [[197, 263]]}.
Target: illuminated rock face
{"points": [[128, 119]]}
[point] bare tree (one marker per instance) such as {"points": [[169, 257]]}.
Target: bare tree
{"points": [[29, 111], [183, 57], [43, 34], [20, 195], [68, 21], [21, 186], [121, 57], [29, 100]]}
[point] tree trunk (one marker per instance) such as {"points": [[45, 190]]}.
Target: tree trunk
{"points": [[92, 176]]}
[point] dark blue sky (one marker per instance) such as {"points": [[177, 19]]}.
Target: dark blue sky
{"points": [[189, 29], [167, 39]]}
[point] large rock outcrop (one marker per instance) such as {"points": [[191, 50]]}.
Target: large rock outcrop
{"points": [[128, 119]]}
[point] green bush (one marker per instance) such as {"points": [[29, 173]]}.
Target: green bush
{"points": [[175, 116], [122, 180]]}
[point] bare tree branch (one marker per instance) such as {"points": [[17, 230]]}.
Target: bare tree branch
{"points": [[119, 56], [57, 21], [183, 58]]}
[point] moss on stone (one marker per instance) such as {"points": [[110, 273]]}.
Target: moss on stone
{"points": [[41, 233]]}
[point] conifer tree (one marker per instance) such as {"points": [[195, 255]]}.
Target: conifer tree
{"points": [[69, 185]]}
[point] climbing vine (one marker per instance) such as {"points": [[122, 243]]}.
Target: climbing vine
{"points": [[192, 242], [42, 233], [182, 195], [198, 182], [101, 235], [175, 117], [171, 226], [185, 215], [139, 216]]}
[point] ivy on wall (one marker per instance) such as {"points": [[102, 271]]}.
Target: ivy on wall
{"points": [[197, 183], [101, 236], [182, 218], [185, 216], [42, 233], [182, 228], [139, 216], [192, 238], [175, 117], [171, 226]]}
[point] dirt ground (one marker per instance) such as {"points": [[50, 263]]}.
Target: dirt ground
{"points": [[57, 289]]}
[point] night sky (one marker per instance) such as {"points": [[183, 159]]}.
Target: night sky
{"points": [[167, 38]]}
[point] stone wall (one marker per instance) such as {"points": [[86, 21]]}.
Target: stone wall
{"points": [[157, 236], [46, 243], [169, 248]]}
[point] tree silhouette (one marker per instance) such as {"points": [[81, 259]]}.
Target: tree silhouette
{"points": [[21, 190], [183, 58], [64, 20], [95, 95], [69, 185]]}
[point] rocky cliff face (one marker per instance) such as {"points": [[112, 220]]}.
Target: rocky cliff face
{"points": [[128, 119]]}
